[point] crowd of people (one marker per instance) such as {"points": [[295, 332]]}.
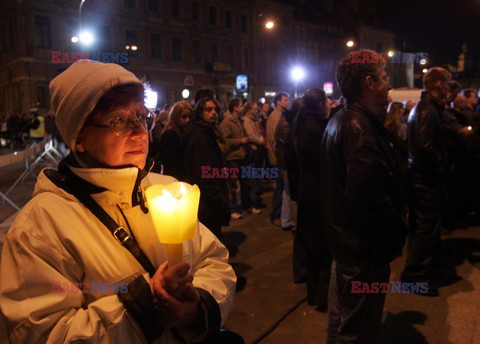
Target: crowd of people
{"points": [[354, 178], [18, 131]]}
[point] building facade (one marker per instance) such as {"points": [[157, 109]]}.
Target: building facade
{"points": [[179, 44]]}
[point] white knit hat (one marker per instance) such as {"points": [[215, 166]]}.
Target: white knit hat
{"points": [[76, 92]]}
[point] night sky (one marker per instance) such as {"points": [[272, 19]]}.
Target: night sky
{"points": [[437, 27]]}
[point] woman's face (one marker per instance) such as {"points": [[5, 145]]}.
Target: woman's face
{"points": [[209, 113], [184, 118], [99, 146]]}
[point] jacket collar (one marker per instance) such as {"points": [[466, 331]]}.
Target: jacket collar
{"points": [[378, 118], [110, 185], [428, 97]]}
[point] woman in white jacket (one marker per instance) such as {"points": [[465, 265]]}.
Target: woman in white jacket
{"points": [[63, 276]]}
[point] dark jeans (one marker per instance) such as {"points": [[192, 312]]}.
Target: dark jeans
{"points": [[245, 188], [355, 317], [277, 198], [425, 223], [319, 262]]}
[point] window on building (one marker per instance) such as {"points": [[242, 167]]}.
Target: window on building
{"points": [[153, 6], [42, 96], [195, 9], [129, 3], [104, 38], [228, 20], [4, 39], [156, 45], [243, 22], [42, 32], [214, 52], [12, 40], [131, 39], [197, 51], [246, 59], [212, 15], [231, 56], [175, 6], [177, 49]]}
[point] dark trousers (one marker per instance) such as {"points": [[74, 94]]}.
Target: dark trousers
{"points": [[355, 317], [319, 262], [277, 199], [245, 188], [425, 222]]}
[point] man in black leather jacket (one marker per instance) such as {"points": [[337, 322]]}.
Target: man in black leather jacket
{"points": [[361, 202], [427, 150]]}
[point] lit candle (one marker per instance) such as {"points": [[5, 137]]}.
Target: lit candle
{"points": [[173, 208]]}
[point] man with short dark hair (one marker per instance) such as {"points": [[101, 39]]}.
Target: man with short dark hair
{"points": [[281, 103], [362, 206], [427, 159], [237, 140]]}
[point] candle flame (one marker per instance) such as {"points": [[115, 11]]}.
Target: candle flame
{"points": [[166, 193], [183, 191]]}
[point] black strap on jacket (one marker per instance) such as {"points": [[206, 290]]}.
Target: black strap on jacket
{"points": [[119, 232]]}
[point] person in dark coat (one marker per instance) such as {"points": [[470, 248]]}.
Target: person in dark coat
{"points": [[202, 156], [170, 148], [308, 130], [427, 161], [362, 204]]}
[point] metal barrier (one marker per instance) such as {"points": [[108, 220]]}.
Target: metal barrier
{"points": [[43, 151]]}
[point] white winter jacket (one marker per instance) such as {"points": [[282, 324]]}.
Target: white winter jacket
{"points": [[55, 240]]}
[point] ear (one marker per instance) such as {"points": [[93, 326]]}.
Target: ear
{"points": [[79, 147], [369, 82]]}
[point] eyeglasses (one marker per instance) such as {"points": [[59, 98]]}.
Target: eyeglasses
{"points": [[125, 125]]}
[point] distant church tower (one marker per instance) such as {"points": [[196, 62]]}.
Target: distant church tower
{"points": [[464, 60]]}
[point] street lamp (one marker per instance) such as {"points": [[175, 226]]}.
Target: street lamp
{"points": [[350, 43], [269, 25], [297, 73], [86, 37], [83, 36], [391, 53], [423, 61]]}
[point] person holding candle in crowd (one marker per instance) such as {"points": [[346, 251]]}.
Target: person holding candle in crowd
{"points": [[57, 243]]}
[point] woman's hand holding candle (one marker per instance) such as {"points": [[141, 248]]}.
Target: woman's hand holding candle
{"points": [[177, 301]]}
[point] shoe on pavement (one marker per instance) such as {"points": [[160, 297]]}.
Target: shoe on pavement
{"points": [[276, 222], [236, 216], [255, 211]]}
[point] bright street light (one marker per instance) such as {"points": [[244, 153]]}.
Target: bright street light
{"points": [[297, 74], [350, 44], [74, 39], [134, 47], [425, 70], [86, 37], [423, 61], [391, 53], [151, 97], [269, 24], [185, 93]]}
